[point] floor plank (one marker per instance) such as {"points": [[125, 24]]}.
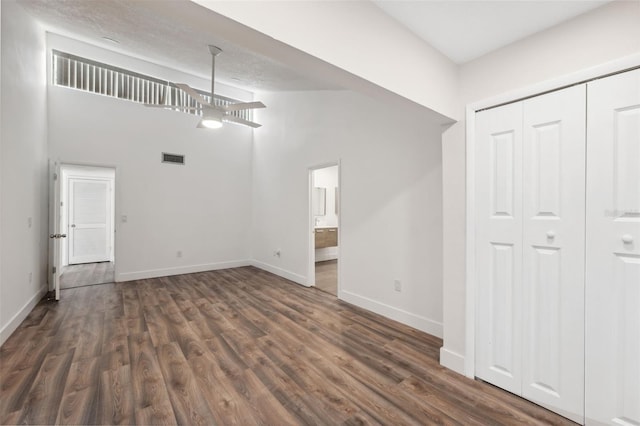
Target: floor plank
{"points": [[87, 274], [327, 276], [233, 347]]}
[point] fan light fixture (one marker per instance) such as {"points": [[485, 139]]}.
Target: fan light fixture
{"points": [[212, 115], [211, 123], [211, 119]]}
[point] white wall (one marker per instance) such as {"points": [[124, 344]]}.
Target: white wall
{"points": [[390, 224], [23, 169], [597, 37], [201, 209]]}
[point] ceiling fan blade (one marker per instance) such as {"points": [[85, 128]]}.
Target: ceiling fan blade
{"points": [[195, 95], [244, 105], [234, 119], [174, 107]]}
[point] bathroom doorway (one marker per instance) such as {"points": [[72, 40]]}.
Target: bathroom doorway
{"points": [[324, 190]]}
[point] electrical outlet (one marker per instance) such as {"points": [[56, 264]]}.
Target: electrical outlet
{"points": [[397, 285], [179, 253]]}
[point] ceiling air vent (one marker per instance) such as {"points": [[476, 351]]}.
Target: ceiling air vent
{"points": [[172, 158]]}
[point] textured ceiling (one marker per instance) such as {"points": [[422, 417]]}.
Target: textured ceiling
{"points": [[464, 30], [152, 30], [176, 33]]}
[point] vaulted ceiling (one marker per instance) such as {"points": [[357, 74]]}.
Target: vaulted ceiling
{"points": [[153, 30], [464, 30]]}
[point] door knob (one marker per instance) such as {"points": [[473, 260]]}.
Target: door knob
{"points": [[52, 235], [627, 238], [63, 235], [551, 235], [73, 226]]}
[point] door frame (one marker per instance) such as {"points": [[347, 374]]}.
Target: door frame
{"points": [[311, 250], [55, 218], [54, 265], [466, 365]]}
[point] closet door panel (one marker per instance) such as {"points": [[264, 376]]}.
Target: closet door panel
{"points": [[553, 250], [499, 245], [613, 251]]}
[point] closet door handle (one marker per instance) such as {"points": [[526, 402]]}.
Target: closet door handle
{"points": [[551, 235], [627, 238]]}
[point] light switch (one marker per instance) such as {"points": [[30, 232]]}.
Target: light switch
{"points": [[29, 222]]}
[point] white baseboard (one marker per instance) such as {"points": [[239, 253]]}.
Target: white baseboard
{"points": [[452, 360], [178, 270], [22, 313], [416, 321], [296, 278]]}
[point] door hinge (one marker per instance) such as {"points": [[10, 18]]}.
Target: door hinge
{"points": [[55, 176], [53, 269]]}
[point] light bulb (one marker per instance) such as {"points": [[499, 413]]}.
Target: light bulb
{"points": [[211, 123]]}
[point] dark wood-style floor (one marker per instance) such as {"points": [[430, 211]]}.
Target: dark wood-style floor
{"points": [[327, 276], [238, 346], [87, 274]]}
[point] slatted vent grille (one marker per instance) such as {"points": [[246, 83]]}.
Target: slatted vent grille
{"points": [[84, 74], [172, 158]]}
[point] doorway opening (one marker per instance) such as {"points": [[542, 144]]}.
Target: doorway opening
{"points": [[87, 216], [324, 190]]}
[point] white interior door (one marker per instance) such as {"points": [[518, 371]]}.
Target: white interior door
{"points": [[89, 220], [499, 246], [54, 226], [553, 251], [613, 251]]}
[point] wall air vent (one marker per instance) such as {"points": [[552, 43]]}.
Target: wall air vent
{"points": [[172, 158]]}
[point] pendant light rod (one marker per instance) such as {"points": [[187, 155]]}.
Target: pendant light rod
{"points": [[215, 51]]}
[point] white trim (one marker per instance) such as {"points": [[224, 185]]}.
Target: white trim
{"points": [[178, 270], [590, 73], [22, 313], [292, 276], [452, 360], [416, 321], [470, 314]]}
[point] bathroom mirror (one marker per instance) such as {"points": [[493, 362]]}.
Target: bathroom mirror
{"points": [[319, 201]]}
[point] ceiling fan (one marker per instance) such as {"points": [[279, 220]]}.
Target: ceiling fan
{"points": [[214, 115]]}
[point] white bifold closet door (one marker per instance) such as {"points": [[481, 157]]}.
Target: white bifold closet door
{"points": [[530, 180], [613, 251], [553, 251], [498, 183]]}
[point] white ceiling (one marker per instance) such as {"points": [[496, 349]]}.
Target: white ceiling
{"points": [[464, 30], [153, 30], [176, 33]]}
